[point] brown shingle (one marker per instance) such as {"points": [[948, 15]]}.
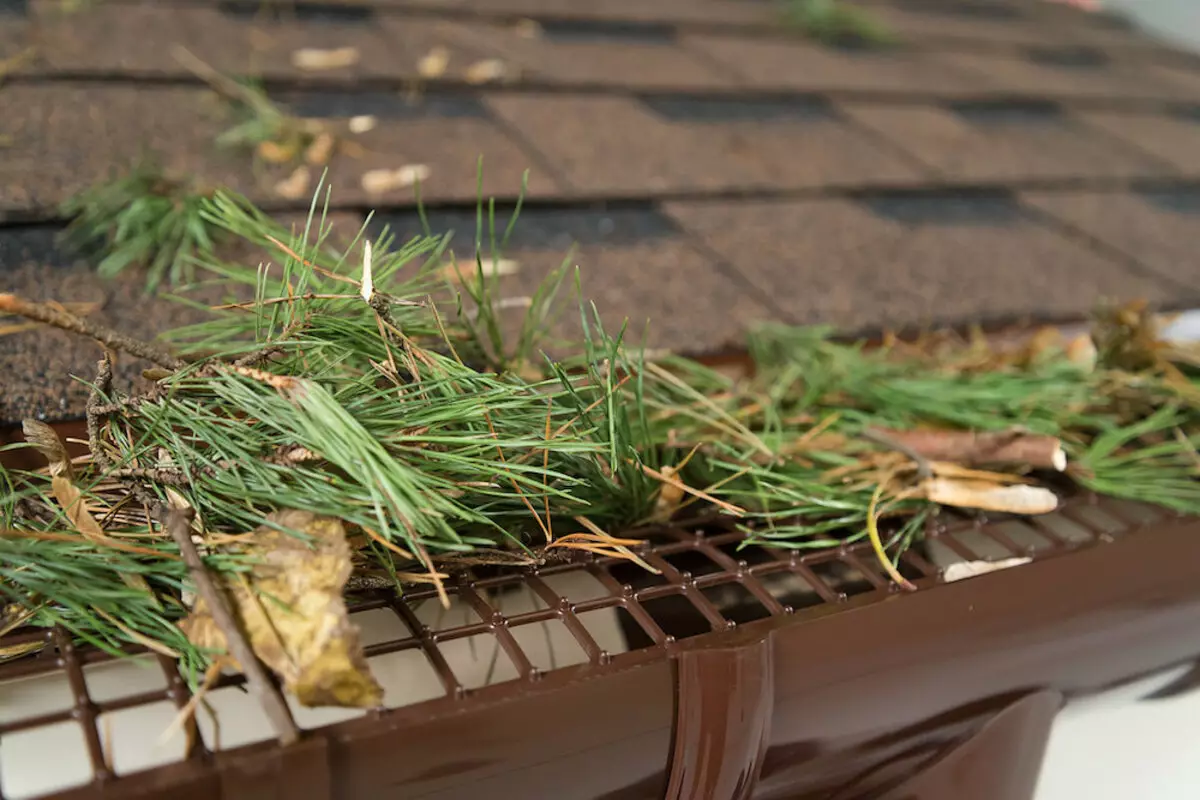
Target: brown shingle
{"points": [[661, 10], [993, 23], [797, 65], [140, 38], [1065, 71], [63, 137], [1004, 142], [37, 365], [619, 145], [1175, 139], [1155, 228], [573, 53], [907, 261], [446, 134], [635, 265]]}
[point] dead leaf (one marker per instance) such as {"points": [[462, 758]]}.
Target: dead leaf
{"points": [[11, 652], [490, 69], [1081, 351], [295, 186], [46, 441], [987, 496], [321, 149], [291, 607], [75, 507], [362, 123], [969, 569], [313, 59], [275, 153], [382, 181], [434, 63]]}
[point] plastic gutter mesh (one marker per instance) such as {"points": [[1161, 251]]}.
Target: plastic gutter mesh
{"points": [[63, 723]]}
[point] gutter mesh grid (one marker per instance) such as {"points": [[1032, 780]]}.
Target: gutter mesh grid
{"points": [[760, 576]]}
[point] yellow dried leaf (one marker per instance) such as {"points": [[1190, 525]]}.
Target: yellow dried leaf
{"points": [[295, 186], [313, 59], [490, 69], [321, 149], [987, 496], [381, 181], [291, 608], [1081, 351], [969, 569], [47, 442], [276, 153], [670, 495], [361, 123], [11, 652], [434, 63]]}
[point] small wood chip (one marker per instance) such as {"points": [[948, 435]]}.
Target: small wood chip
{"points": [[492, 268], [312, 59], [382, 181], [362, 123], [969, 569], [295, 186], [275, 153], [434, 63], [490, 69]]}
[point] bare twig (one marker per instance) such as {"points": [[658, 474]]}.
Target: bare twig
{"points": [[924, 469], [94, 416], [178, 523], [45, 313], [987, 447]]}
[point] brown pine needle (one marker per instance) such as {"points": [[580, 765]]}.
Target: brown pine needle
{"points": [[390, 545], [877, 544], [513, 481]]}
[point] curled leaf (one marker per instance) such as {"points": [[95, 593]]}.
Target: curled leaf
{"points": [[290, 606], [47, 442]]}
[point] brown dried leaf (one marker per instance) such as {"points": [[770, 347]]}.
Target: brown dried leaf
{"points": [[291, 608], [313, 59], [73, 504], [47, 442]]}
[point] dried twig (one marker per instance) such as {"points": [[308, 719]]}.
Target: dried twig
{"points": [[44, 312], [970, 447], [178, 523]]}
